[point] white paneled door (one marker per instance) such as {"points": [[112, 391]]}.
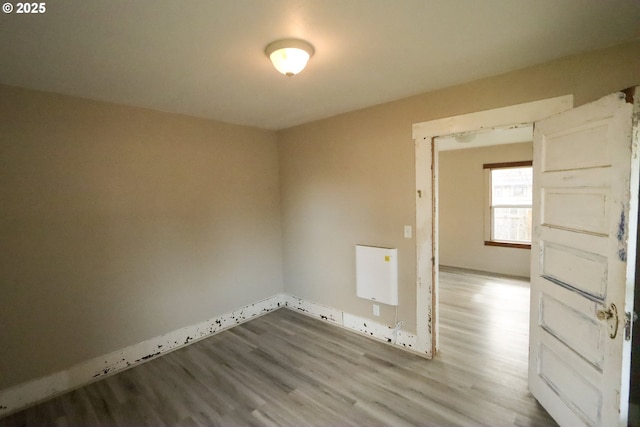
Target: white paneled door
{"points": [[583, 261]]}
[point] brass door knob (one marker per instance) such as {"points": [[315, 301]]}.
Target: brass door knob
{"points": [[607, 314], [604, 314]]}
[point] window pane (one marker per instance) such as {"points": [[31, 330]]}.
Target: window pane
{"points": [[512, 224], [511, 186]]}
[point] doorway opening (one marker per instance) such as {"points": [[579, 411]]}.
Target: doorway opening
{"points": [[483, 191], [483, 200], [427, 251]]}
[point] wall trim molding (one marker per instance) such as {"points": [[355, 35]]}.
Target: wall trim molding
{"points": [[32, 392], [29, 393]]}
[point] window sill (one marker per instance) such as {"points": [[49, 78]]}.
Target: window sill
{"points": [[507, 244]]}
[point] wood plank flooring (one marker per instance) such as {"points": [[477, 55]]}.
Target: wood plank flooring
{"points": [[286, 369]]}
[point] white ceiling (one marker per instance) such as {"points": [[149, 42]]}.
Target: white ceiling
{"points": [[206, 58]]}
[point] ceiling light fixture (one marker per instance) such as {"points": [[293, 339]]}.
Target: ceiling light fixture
{"points": [[289, 56]]}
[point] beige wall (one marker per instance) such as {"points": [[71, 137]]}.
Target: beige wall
{"points": [[119, 224], [462, 212], [350, 179]]}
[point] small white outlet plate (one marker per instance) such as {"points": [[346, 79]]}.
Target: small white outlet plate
{"points": [[376, 310], [407, 231]]}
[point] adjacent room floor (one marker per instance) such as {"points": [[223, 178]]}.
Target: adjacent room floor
{"points": [[285, 368]]}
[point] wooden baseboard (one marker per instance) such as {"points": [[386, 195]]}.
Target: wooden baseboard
{"points": [[32, 392], [35, 391], [370, 328]]}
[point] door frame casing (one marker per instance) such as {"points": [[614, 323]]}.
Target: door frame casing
{"points": [[426, 207]]}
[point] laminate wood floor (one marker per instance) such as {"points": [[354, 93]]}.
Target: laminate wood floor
{"points": [[285, 368]]}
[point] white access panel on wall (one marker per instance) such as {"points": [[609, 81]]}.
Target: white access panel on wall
{"points": [[377, 274]]}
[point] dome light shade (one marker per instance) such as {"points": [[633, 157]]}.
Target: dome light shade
{"points": [[289, 56]]}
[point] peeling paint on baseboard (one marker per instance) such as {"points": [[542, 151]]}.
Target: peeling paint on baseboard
{"points": [[314, 309], [368, 327], [399, 338], [29, 393], [32, 392]]}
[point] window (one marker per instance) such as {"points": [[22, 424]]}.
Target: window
{"points": [[509, 190]]}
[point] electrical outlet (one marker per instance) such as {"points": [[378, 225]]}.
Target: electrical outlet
{"points": [[407, 231], [376, 310]]}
